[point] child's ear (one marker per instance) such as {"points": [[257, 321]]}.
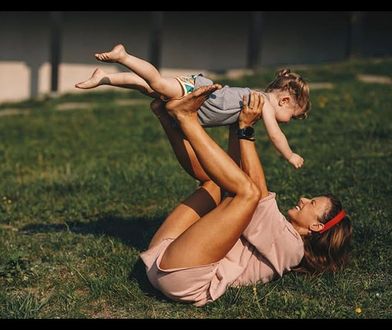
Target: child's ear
{"points": [[284, 100]]}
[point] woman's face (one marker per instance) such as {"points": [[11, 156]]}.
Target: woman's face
{"points": [[306, 214]]}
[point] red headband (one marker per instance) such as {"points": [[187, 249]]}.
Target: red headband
{"points": [[335, 220]]}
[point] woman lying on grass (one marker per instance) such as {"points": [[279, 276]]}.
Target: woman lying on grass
{"points": [[214, 240]]}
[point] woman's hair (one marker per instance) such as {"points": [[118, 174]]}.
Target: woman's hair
{"points": [[329, 251], [286, 80]]}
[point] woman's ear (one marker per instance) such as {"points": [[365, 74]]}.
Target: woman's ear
{"points": [[316, 227]]}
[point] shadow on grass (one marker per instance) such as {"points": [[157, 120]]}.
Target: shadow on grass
{"points": [[134, 232]]}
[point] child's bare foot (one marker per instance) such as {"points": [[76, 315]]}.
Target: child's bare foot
{"points": [[95, 80], [115, 55]]}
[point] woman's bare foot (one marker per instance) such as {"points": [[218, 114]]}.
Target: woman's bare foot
{"points": [[115, 55], [188, 105], [97, 79]]}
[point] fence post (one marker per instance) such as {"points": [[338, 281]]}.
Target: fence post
{"points": [[156, 38], [255, 40], [355, 34], [55, 48]]}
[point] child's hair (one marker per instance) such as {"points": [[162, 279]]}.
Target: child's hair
{"points": [[286, 80], [329, 251]]}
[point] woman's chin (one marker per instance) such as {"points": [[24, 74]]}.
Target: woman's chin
{"points": [[290, 213]]}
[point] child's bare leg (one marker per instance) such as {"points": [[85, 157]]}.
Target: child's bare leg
{"points": [[120, 79], [166, 86]]}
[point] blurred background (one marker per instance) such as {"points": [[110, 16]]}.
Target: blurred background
{"points": [[48, 52]]}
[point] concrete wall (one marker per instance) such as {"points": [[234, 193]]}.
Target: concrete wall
{"points": [[195, 41], [23, 51], [205, 40], [298, 38]]}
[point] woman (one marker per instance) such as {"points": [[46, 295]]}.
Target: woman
{"points": [[210, 242]]}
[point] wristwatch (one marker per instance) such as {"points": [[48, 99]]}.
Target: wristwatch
{"points": [[247, 133]]}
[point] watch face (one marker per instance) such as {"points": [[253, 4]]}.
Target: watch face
{"points": [[249, 131]]}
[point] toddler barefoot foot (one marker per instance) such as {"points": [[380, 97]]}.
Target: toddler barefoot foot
{"points": [[97, 79], [115, 55]]}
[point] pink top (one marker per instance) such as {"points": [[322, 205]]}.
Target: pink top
{"points": [[268, 247]]}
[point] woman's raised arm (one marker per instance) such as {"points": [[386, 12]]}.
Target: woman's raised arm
{"points": [[250, 160]]}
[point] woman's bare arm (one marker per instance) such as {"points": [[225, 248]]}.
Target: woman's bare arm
{"points": [[234, 145], [250, 160], [251, 165]]}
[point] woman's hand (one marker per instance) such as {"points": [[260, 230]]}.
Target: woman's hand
{"points": [[251, 113]]}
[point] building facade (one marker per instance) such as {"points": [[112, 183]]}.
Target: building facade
{"points": [[193, 41]]}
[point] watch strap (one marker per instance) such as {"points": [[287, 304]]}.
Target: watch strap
{"points": [[247, 138], [246, 133]]}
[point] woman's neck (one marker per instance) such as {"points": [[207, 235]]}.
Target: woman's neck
{"points": [[300, 230]]}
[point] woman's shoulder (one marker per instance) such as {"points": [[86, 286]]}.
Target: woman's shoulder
{"points": [[268, 211], [268, 201], [270, 197]]}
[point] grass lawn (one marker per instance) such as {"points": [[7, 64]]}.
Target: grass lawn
{"points": [[82, 192]]}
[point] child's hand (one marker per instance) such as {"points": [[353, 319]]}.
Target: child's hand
{"points": [[296, 160]]}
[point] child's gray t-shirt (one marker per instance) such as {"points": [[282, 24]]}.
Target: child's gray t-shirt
{"points": [[223, 106]]}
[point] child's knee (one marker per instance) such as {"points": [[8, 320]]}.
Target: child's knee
{"points": [[158, 85]]}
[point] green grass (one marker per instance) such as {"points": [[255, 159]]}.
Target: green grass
{"points": [[82, 192]]}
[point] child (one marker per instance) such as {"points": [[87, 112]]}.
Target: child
{"points": [[286, 97]]}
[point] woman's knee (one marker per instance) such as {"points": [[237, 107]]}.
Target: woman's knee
{"points": [[250, 191]]}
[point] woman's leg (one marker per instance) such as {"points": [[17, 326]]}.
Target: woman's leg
{"points": [[187, 213], [168, 87], [181, 147], [120, 79], [213, 235], [203, 200]]}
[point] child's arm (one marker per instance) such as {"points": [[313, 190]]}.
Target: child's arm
{"points": [[279, 140]]}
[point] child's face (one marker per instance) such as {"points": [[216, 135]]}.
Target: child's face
{"points": [[284, 114], [287, 109]]}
